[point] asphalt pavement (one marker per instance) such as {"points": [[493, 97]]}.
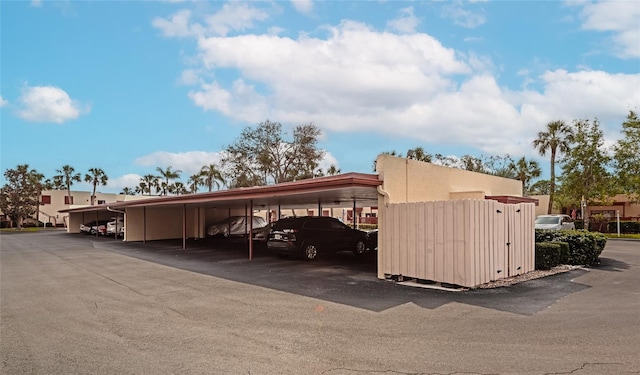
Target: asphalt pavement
{"points": [[75, 304]]}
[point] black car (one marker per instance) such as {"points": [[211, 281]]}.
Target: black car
{"points": [[309, 236]]}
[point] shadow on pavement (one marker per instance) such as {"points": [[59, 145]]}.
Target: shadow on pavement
{"points": [[341, 278]]}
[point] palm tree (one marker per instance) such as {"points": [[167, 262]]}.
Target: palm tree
{"points": [[36, 180], [96, 176], [333, 170], [212, 176], [128, 191], [65, 178], [194, 182], [168, 175], [147, 182], [555, 138], [178, 188], [525, 171]]}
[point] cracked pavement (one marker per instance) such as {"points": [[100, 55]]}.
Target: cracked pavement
{"points": [[76, 304]]}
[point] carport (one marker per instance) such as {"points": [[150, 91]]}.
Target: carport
{"points": [[186, 216]]}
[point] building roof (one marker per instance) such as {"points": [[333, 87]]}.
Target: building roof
{"points": [[330, 191]]}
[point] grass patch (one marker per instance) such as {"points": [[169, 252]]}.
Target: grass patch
{"points": [[26, 230], [622, 235]]}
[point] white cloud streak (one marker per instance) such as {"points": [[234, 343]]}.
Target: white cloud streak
{"points": [[303, 6], [188, 162], [621, 18], [49, 104], [406, 22]]}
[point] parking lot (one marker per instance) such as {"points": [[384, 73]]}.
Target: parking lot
{"points": [[81, 304]]}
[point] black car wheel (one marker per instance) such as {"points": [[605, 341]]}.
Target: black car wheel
{"points": [[310, 252], [360, 248]]}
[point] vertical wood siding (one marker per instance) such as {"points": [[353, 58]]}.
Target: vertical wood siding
{"points": [[461, 242]]}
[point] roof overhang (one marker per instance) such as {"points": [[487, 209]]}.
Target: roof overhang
{"points": [[342, 190]]}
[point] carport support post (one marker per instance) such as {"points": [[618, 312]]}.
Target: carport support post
{"points": [[97, 225], [184, 226], [251, 230], [319, 208], [355, 225]]}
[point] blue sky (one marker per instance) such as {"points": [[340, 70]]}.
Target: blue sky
{"points": [[131, 86]]}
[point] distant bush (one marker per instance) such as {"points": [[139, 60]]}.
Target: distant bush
{"points": [[625, 227], [584, 247]]}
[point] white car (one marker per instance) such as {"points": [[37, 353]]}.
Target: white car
{"points": [[115, 226], [555, 222], [234, 226]]}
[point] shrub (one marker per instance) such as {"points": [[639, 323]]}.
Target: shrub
{"points": [[625, 227], [548, 255], [584, 247]]}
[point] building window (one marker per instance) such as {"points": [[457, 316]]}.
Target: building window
{"points": [[46, 199], [68, 199], [101, 201]]}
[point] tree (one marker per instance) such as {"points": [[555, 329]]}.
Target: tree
{"points": [[553, 140], [473, 164], [262, 156], [65, 178], [501, 166], [95, 176], [147, 182], [419, 154], [168, 175], [19, 195], [178, 188], [626, 159], [40, 186], [333, 170], [128, 191], [584, 168], [211, 176], [525, 170], [540, 187], [194, 182]]}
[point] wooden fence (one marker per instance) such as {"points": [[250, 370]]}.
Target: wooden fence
{"points": [[460, 242]]}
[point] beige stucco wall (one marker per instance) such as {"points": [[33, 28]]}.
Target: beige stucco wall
{"points": [[162, 223], [49, 212], [408, 180]]}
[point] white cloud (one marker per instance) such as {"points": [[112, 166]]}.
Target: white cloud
{"points": [[3, 102], [406, 22], [36, 3], [177, 26], [461, 16], [327, 161], [359, 79], [130, 180], [233, 16], [49, 104], [303, 6], [621, 18], [188, 162]]}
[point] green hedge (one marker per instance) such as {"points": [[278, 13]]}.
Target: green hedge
{"points": [[547, 255], [584, 247], [625, 227]]}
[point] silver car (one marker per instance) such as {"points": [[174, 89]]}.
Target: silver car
{"points": [[555, 222], [234, 226]]}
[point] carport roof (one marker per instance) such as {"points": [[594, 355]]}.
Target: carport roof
{"points": [[331, 191]]}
